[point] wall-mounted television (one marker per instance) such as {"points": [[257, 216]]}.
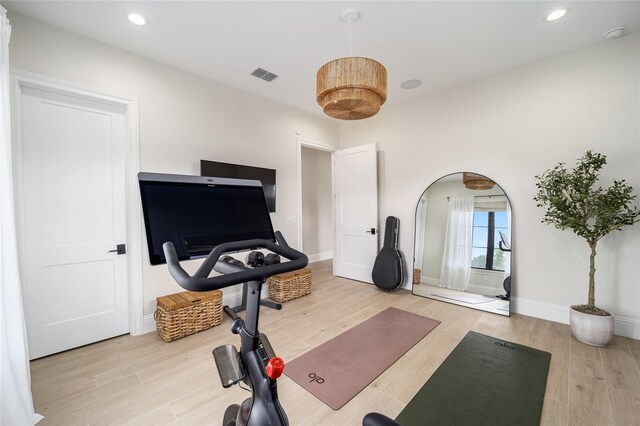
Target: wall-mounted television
{"points": [[197, 213], [238, 171]]}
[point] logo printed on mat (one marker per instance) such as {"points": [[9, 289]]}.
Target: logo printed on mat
{"points": [[315, 378], [504, 345]]}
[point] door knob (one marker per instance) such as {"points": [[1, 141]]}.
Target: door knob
{"points": [[372, 231], [120, 249]]}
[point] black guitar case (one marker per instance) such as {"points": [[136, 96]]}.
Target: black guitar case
{"points": [[388, 269]]}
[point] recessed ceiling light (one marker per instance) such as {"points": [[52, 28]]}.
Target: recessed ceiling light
{"points": [[555, 15], [411, 84], [134, 18]]}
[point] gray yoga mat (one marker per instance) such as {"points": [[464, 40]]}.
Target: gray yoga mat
{"points": [[339, 369], [484, 381]]}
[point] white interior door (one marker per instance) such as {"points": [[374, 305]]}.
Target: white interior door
{"points": [[356, 192], [74, 216]]}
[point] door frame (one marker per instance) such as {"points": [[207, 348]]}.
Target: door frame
{"points": [[301, 142], [23, 79]]}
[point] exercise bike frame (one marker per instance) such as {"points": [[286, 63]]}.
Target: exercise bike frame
{"points": [[264, 403], [263, 408]]}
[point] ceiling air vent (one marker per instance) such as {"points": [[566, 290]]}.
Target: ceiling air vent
{"points": [[264, 74]]}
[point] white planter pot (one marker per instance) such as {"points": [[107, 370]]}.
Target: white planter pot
{"points": [[593, 330]]}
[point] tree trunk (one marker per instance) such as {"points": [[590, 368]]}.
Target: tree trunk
{"points": [[592, 273]]}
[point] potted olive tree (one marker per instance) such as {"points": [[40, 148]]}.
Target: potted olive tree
{"points": [[573, 200]]}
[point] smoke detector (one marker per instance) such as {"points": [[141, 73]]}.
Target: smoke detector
{"points": [[411, 84], [350, 15], [615, 33]]}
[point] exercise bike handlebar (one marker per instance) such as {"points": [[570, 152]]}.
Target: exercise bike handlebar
{"points": [[200, 281]]}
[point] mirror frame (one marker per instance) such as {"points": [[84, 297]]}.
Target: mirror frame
{"points": [[422, 196]]}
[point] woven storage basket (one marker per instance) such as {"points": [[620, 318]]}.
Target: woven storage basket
{"points": [[182, 314], [289, 286], [416, 275]]}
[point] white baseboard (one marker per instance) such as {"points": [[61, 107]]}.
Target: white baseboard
{"points": [[148, 324], [480, 289], [429, 280], [627, 327], [228, 299], [547, 311], [325, 255]]}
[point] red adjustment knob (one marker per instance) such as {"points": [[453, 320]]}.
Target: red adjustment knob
{"points": [[275, 367]]}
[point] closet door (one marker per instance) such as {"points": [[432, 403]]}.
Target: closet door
{"points": [[74, 218]]}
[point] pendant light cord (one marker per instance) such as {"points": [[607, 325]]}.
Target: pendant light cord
{"points": [[350, 22]]}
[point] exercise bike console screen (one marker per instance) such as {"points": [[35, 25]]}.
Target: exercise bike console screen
{"points": [[197, 213]]}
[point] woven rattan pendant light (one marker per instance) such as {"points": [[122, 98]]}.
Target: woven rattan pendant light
{"points": [[351, 88], [475, 181]]}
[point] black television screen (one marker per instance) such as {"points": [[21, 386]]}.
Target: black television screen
{"points": [[198, 213], [237, 171]]}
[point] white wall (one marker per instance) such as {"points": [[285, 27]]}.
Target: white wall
{"points": [[512, 127], [183, 118], [317, 210]]}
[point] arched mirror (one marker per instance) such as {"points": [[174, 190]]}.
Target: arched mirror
{"points": [[463, 243]]}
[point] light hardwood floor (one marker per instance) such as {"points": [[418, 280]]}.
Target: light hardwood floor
{"points": [[143, 380]]}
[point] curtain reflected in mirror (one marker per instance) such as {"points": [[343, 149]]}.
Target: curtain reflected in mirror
{"points": [[463, 243]]}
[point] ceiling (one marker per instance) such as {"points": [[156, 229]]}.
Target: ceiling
{"points": [[444, 44]]}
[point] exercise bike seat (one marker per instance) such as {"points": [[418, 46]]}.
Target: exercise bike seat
{"points": [[377, 419]]}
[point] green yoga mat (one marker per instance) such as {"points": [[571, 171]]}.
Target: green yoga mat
{"points": [[484, 381]]}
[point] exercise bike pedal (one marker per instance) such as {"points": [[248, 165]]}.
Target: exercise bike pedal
{"points": [[230, 415], [229, 365]]}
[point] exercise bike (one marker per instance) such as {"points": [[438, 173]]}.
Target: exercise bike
{"points": [[505, 246], [193, 217], [256, 364]]}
